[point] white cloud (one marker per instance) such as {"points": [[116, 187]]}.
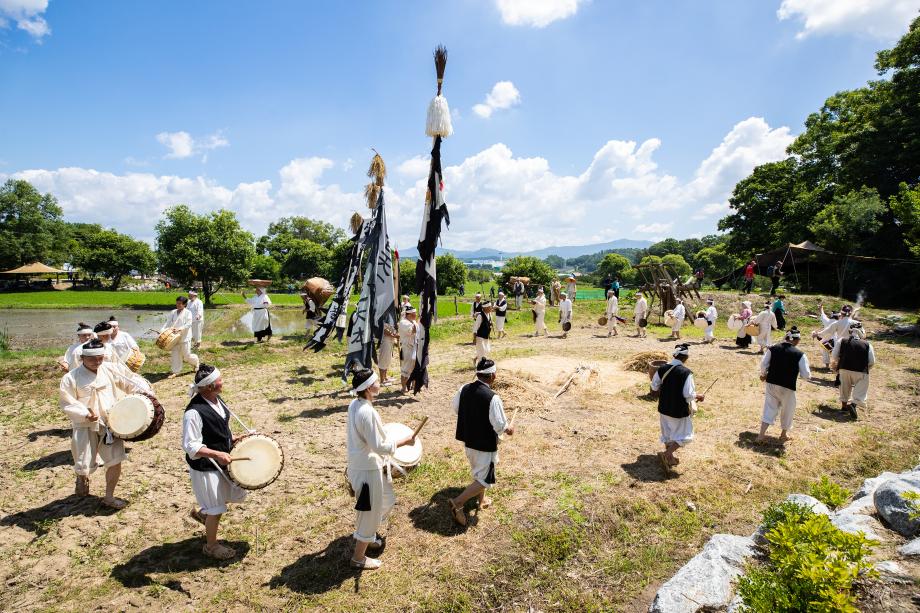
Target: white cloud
{"points": [[882, 19], [536, 13], [182, 145], [495, 199], [504, 95], [28, 16]]}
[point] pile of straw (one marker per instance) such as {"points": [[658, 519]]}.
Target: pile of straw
{"points": [[639, 362]]}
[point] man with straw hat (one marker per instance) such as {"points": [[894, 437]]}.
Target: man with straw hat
{"points": [[676, 404], [539, 310], [482, 331], [640, 314], [780, 368], [196, 309], [852, 358], [742, 338], [613, 308], [480, 421], [571, 287], [565, 314], [309, 311], [207, 442]]}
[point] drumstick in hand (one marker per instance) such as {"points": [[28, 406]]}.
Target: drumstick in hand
{"points": [[418, 428], [238, 459]]}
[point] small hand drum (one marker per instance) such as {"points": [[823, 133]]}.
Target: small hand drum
{"points": [[668, 317], [257, 461], [168, 339], [406, 457], [136, 417], [701, 323], [567, 326], [602, 321], [735, 322], [136, 360]]}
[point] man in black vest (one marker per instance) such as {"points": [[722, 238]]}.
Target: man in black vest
{"points": [[501, 312], [677, 400], [207, 441], [480, 421], [482, 332], [852, 358], [781, 367]]}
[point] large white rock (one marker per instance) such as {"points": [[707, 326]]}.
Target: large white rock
{"points": [[706, 581], [869, 486], [855, 523], [892, 507], [809, 501], [910, 548]]}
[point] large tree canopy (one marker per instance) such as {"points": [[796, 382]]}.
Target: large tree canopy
{"points": [[111, 254], [305, 247], [451, 273], [211, 249], [528, 266], [31, 226]]}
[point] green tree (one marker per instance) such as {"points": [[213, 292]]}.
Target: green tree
{"points": [[113, 255], [305, 247], [407, 276], [305, 259], [848, 220], [302, 228], [211, 249], [528, 266], [266, 267], [716, 261], [677, 265], [906, 208], [31, 226], [614, 265], [554, 261], [650, 259], [451, 273]]}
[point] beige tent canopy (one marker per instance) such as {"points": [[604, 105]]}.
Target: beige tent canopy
{"points": [[35, 268]]}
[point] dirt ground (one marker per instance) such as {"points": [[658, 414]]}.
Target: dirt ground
{"points": [[584, 518]]}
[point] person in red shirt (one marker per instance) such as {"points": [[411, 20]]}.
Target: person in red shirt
{"points": [[749, 277]]}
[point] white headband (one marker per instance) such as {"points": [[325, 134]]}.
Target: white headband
{"points": [[85, 331], [95, 351], [113, 323], [488, 371], [194, 387], [366, 384], [681, 350]]}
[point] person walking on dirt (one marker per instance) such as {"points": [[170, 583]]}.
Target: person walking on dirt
{"points": [[677, 400]]}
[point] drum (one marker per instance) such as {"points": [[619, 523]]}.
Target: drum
{"points": [[701, 323], [406, 457], [643, 323], [752, 329], [602, 321], [136, 417], [735, 323], [701, 314], [534, 313], [567, 326], [168, 339], [135, 360], [257, 461], [668, 318]]}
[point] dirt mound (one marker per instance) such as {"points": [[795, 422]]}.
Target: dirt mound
{"points": [[551, 372]]}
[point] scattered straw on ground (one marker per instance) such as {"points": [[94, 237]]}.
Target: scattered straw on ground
{"points": [[551, 372], [639, 362]]}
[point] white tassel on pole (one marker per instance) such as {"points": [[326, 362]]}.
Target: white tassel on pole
{"points": [[438, 123]]}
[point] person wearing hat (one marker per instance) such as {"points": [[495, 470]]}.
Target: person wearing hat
{"points": [[196, 309], [207, 441], [501, 312], [555, 292], [518, 291], [712, 315], [408, 330], [742, 338], [477, 305], [369, 452], [103, 332], [765, 321], [71, 357], [480, 422], [86, 394], [403, 303], [539, 310], [482, 331], [827, 340], [677, 318], [676, 404], [640, 314], [180, 319], [571, 287], [613, 307], [261, 316], [852, 358], [123, 344], [781, 367], [565, 314]]}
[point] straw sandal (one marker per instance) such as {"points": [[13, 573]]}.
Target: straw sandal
{"points": [[457, 513], [367, 564], [115, 503]]}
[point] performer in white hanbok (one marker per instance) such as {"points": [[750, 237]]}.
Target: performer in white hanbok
{"points": [[678, 316], [408, 344], [103, 332], [640, 314], [207, 441], [501, 312], [765, 321], [482, 332], [852, 358], [86, 394], [181, 319], [781, 367], [369, 452], [565, 313], [123, 344], [71, 357], [385, 353], [196, 308], [539, 309], [712, 315], [613, 308], [677, 399], [571, 287], [261, 317], [827, 340], [480, 421]]}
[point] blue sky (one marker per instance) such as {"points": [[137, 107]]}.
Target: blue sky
{"points": [[607, 119]]}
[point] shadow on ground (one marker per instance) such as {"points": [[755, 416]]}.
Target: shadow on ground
{"points": [[40, 519], [647, 468], [319, 572], [772, 446], [181, 557], [55, 432], [435, 515], [58, 458]]}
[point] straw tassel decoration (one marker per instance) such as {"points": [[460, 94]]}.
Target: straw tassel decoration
{"points": [[438, 122], [356, 222]]}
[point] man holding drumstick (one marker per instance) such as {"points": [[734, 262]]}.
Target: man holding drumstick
{"points": [[480, 420]]}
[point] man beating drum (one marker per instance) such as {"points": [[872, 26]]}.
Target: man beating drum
{"points": [[86, 394], [207, 441]]}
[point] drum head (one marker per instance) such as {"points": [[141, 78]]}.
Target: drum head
{"points": [[407, 456], [263, 466], [734, 323], [701, 323], [643, 323], [668, 318], [567, 326], [130, 416], [602, 321]]}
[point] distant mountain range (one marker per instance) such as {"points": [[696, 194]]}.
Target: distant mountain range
{"points": [[567, 251]]}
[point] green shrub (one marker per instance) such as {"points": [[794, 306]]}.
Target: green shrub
{"points": [[829, 492], [913, 501], [812, 564]]}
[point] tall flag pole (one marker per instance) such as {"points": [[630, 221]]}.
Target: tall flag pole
{"points": [[437, 126]]}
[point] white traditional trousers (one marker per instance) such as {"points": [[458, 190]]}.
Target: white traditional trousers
{"points": [[778, 400], [368, 523], [182, 352], [213, 491], [482, 348], [197, 327], [89, 452], [499, 323], [854, 387], [540, 324]]}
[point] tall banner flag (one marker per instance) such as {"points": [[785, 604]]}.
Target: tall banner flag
{"points": [[437, 126]]}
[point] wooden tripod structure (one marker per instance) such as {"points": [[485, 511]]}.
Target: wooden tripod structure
{"points": [[658, 283]]}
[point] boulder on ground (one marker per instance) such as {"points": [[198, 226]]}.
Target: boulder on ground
{"points": [[706, 581], [809, 501], [910, 548], [892, 506]]}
